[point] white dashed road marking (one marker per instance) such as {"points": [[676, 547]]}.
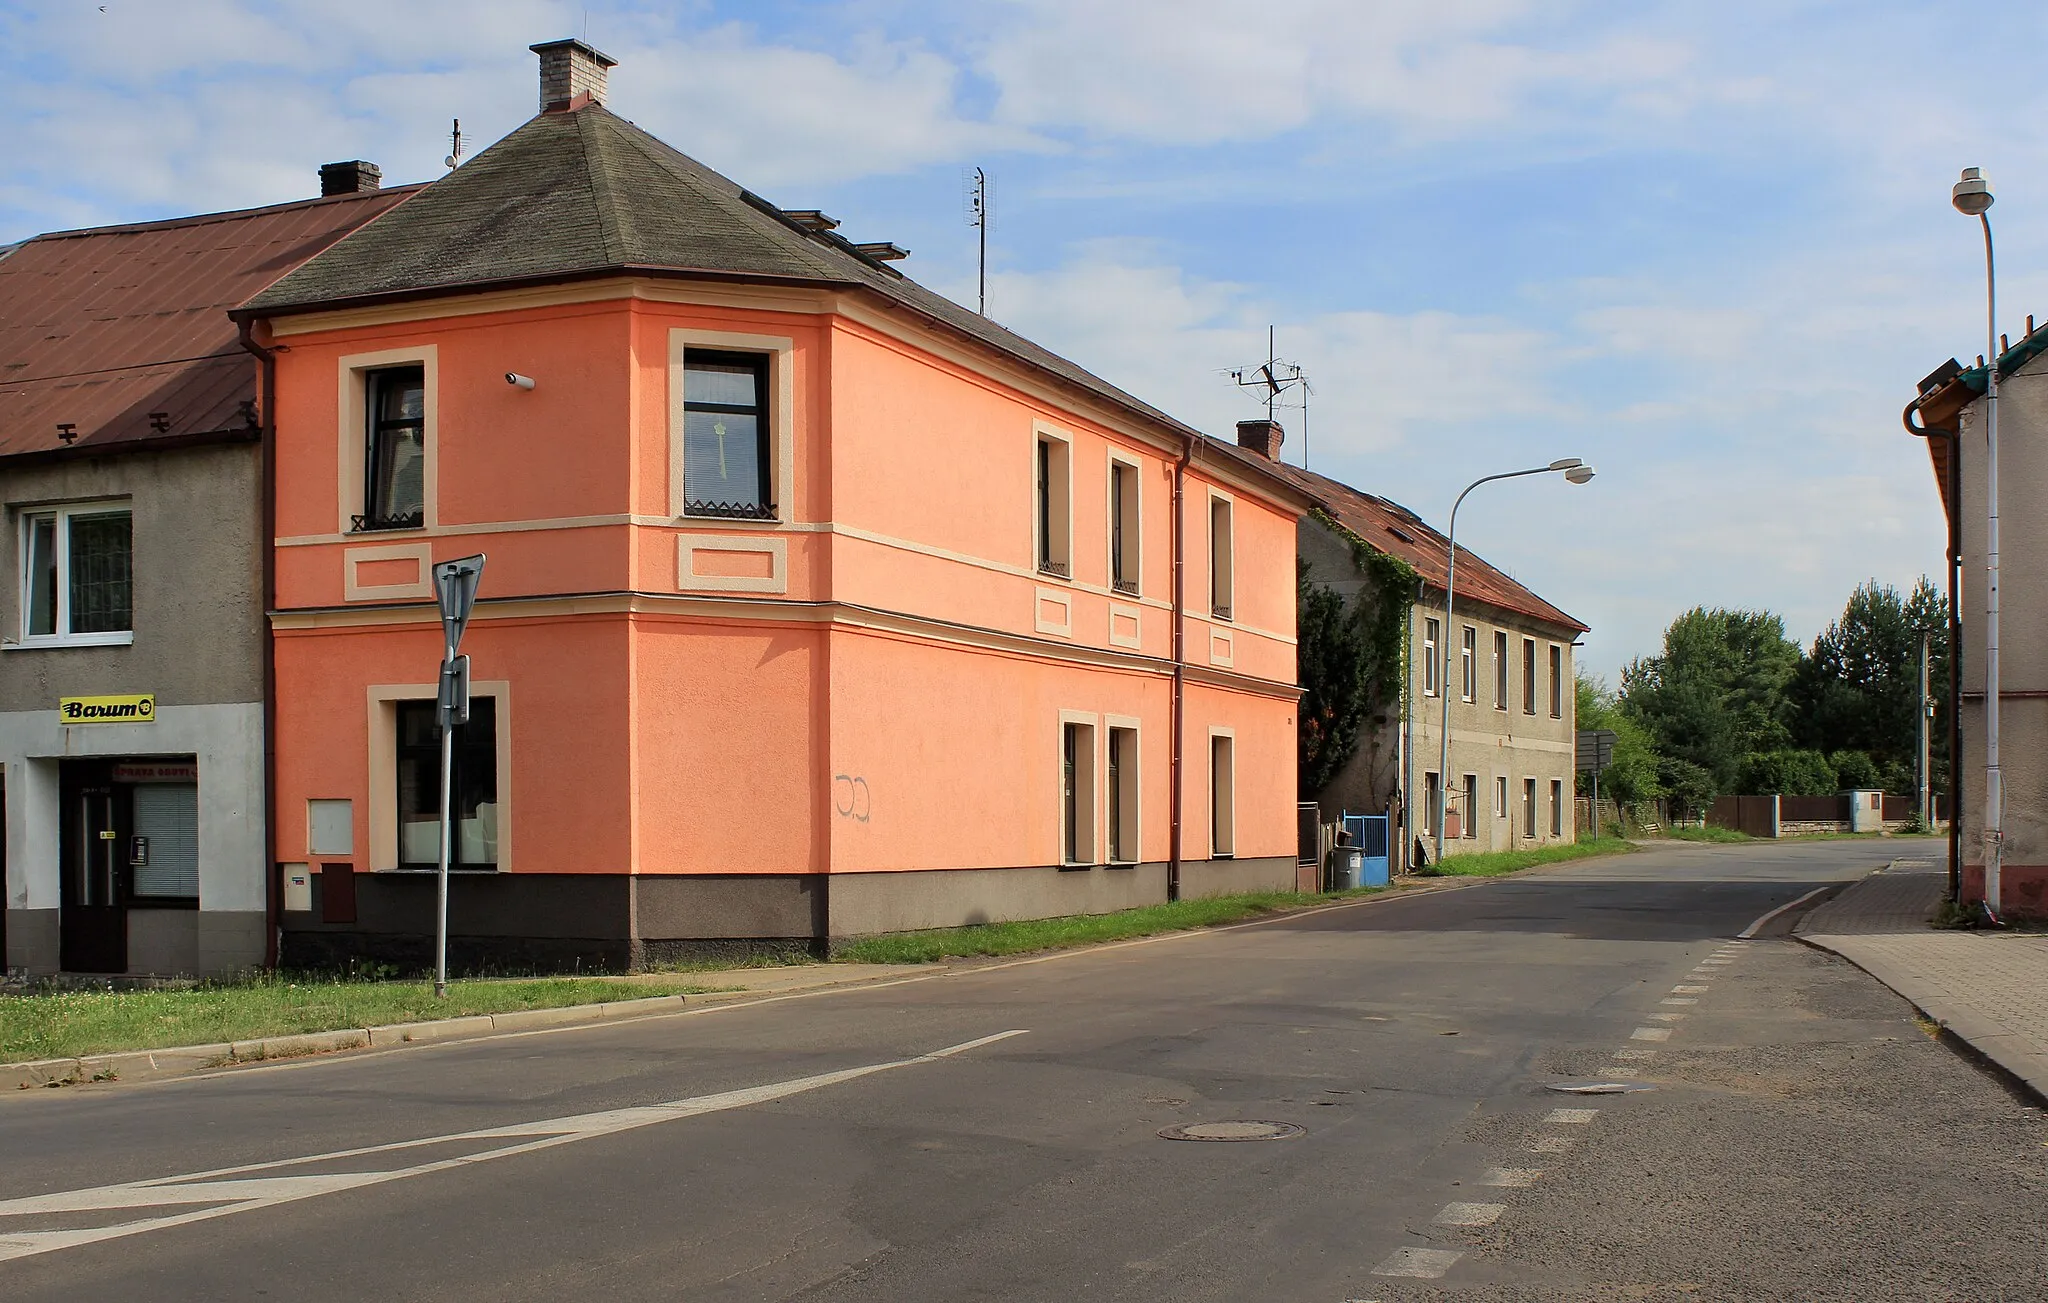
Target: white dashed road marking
{"points": [[1551, 1144], [1667, 1017], [1511, 1178], [1425, 1263], [1470, 1214], [1634, 1052], [1650, 1034], [1678, 999], [1573, 1116], [1687, 990]]}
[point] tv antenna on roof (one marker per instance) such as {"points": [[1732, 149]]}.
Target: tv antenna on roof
{"points": [[454, 143], [981, 214], [1274, 378]]}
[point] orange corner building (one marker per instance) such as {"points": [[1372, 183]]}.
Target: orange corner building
{"points": [[816, 605]]}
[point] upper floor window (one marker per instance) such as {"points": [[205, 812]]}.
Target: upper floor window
{"points": [[1529, 680], [395, 447], [726, 452], [1431, 631], [1468, 683], [1222, 559], [1123, 527], [1500, 674], [1556, 681], [1053, 493], [77, 576]]}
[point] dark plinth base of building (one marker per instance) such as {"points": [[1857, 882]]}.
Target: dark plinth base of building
{"points": [[2022, 889]]}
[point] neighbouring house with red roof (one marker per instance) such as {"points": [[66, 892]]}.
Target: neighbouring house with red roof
{"points": [[134, 650], [1513, 691]]}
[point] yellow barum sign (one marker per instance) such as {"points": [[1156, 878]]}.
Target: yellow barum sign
{"points": [[133, 709]]}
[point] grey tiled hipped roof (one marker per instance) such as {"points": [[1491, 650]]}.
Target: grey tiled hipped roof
{"points": [[586, 193]]}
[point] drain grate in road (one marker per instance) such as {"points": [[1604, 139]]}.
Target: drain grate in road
{"points": [[1233, 1131], [1597, 1087]]}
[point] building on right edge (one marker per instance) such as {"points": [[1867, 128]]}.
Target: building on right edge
{"points": [[1949, 412], [1512, 682]]}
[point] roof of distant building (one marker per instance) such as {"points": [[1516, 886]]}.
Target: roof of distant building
{"points": [[1388, 527], [122, 334]]}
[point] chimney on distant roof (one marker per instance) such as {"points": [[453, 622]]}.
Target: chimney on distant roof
{"points": [[572, 74], [1261, 436], [351, 178]]}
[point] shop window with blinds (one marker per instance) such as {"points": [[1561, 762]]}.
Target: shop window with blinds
{"points": [[395, 449], [77, 580], [727, 455], [475, 808], [164, 858]]}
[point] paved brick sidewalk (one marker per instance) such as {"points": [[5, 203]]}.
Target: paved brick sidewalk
{"points": [[1991, 989]]}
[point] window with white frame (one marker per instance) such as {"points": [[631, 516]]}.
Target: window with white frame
{"points": [[1123, 795], [473, 811], [1222, 796], [394, 448], [1077, 793], [1500, 672], [1222, 559], [1500, 796], [77, 575], [1431, 631], [1123, 527], [1529, 677], [728, 446], [1052, 522], [1430, 807], [1468, 684]]}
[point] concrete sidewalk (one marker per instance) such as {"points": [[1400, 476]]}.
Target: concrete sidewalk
{"points": [[1989, 988]]}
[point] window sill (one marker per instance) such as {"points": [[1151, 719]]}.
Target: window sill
{"points": [[1125, 588], [162, 902], [1121, 864], [75, 640], [424, 869], [1221, 613]]}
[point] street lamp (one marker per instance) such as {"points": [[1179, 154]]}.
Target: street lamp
{"points": [[1575, 472], [1972, 198]]}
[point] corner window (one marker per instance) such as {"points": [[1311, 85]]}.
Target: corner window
{"points": [[1556, 681], [726, 454], [474, 811], [1123, 796], [1431, 631], [1052, 523], [77, 576], [1529, 680], [395, 449], [1123, 527], [1500, 679], [1077, 793], [1222, 559], [1222, 796], [1468, 682]]}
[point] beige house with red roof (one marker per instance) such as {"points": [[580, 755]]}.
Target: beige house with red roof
{"points": [[1512, 685]]}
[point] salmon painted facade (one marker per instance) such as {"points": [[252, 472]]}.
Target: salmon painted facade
{"points": [[815, 605]]}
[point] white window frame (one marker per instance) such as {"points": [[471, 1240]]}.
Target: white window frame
{"points": [[1468, 653], [1502, 686], [62, 514], [383, 769], [1223, 796], [352, 446], [1222, 557], [1529, 676], [1053, 540], [1134, 527], [1087, 782], [1431, 632], [1500, 796], [1130, 801], [780, 350]]}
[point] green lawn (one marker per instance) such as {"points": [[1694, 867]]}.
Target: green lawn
{"points": [[64, 1024], [1488, 864], [1079, 929]]}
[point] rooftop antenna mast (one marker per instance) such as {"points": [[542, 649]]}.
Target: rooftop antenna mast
{"points": [[980, 214], [454, 144], [1275, 378]]}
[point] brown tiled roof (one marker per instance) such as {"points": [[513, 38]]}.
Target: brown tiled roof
{"points": [[586, 193], [1391, 528], [100, 329]]}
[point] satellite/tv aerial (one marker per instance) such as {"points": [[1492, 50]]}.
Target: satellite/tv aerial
{"points": [[454, 144], [1274, 379], [980, 195]]}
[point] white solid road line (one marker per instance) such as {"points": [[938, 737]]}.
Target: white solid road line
{"points": [[246, 1195], [1787, 907]]}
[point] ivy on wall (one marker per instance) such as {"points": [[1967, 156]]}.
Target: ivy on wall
{"points": [[1351, 663]]}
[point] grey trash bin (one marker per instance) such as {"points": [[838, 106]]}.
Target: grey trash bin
{"points": [[1346, 864]]}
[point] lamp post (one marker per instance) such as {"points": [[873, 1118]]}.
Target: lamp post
{"points": [[1574, 471], [1972, 198]]}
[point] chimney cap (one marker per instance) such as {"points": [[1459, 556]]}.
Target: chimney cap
{"points": [[580, 47], [352, 177]]}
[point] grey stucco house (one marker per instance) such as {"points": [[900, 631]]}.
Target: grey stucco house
{"points": [[133, 638]]}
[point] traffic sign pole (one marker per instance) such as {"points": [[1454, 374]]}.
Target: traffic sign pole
{"points": [[455, 585]]}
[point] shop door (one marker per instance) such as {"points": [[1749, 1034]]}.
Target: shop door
{"points": [[93, 923]]}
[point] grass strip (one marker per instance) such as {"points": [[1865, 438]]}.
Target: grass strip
{"points": [[1489, 864], [1706, 834], [65, 1024], [1024, 935]]}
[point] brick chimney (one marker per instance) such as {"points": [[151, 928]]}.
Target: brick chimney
{"points": [[572, 74], [1261, 436], [350, 178]]}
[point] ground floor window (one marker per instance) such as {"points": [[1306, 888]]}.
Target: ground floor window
{"points": [[1077, 793], [1430, 810], [1556, 808], [164, 850], [1123, 795], [1500, 796], [1470, 817], [474, 810], [1222, 795], [1528, 807]]}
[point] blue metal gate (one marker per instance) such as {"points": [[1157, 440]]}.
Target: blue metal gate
{"points": [[1369, 834]]}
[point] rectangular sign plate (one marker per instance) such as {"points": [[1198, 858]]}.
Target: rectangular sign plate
{"points": [[136, 708]]}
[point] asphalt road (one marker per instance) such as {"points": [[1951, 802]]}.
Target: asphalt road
{"points": [[1805, 1139]]}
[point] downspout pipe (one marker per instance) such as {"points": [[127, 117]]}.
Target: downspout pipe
{"points": [[266, 390], [1180, 471], [1952, 476]]}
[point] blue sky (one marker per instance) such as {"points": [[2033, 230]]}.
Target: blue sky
{"points": [[1707, 248]]}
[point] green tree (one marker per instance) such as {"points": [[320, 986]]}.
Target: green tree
{"points": [[1858, 688], [1633, 775], [1689, 788], [1715, 694], [1333, 659], [1787, 772]]}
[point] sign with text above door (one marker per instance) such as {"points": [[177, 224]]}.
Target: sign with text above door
{"points": [[132, 708]]}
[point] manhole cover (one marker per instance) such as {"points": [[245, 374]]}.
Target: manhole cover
{"points": [[1233, 1131], [1598, 1087]]}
